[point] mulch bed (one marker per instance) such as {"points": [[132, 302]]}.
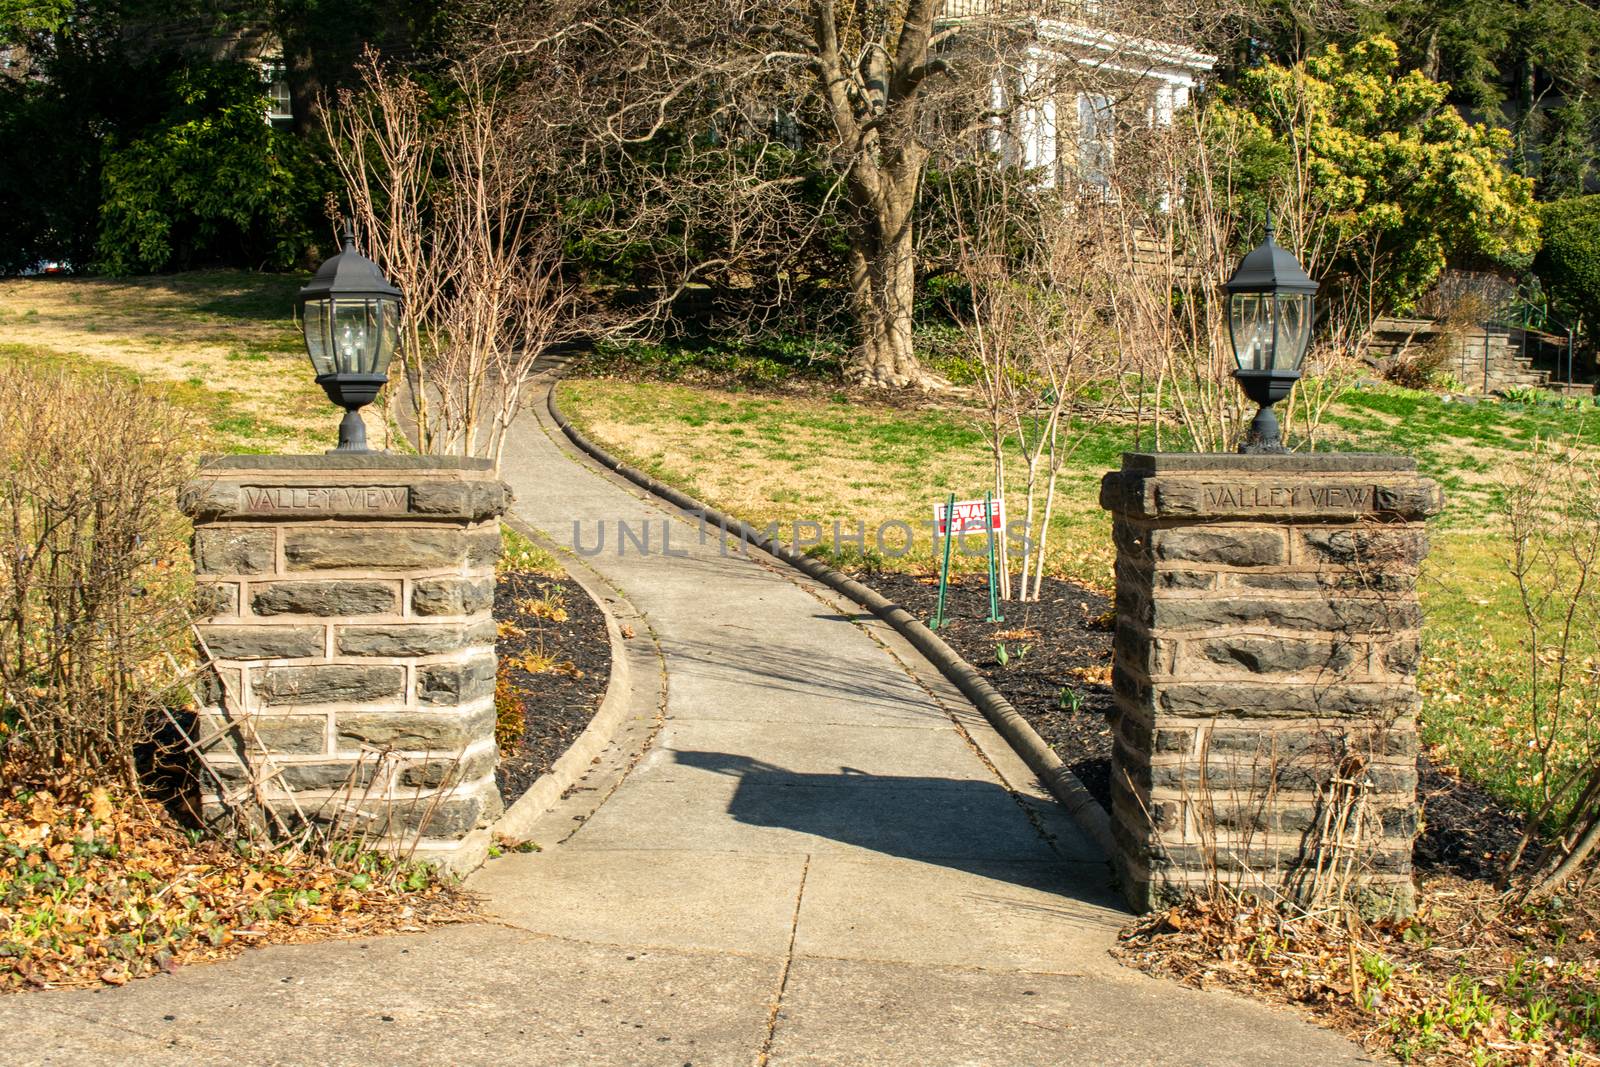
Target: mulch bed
{"points": [[575, 656]]}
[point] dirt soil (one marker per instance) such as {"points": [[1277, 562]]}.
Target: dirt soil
{"points": [[574, 655]]}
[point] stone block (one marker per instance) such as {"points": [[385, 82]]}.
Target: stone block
{"points": [[1372, 546], [1234, 547], [206, 499], [473, 501], [300, 735], [1411, 500], [1403, 656], [1274, 655], [439, 773], [1332, 742], [484, 547], [329, 683], [1270, 700], [1132, 541], [264, 642], [414, 731], [213, 686], [230, 550], [1267, 774], [456, 683], [216, 598], [1324, 613], [1185, 580], [451, 596], [375, 548], [1173, 742], [455, 816], [411, 639], [326, 598], [332, 775]]}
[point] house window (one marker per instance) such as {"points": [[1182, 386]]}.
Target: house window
{"points": [[1095, 130], [276, 75]]}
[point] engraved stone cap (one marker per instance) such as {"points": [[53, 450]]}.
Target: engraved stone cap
{"points": [[342, 461], [1322, 485], [365, 485]]}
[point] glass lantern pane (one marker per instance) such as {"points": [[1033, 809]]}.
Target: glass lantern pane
{"points": [[1250, 323], [1293, 332], [355, 335], [388, 334], [318, 326]]}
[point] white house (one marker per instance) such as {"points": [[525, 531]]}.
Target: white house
{"points": [[1080, 80]]}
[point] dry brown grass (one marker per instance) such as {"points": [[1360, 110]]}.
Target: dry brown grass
{"points": [[797, 459], [224, 343]]}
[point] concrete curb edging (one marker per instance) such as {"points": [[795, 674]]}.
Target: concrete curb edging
{"points": [[1065, 786], [518, 820]]}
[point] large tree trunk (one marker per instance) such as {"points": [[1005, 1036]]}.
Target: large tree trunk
{"points": [[883, 286]]}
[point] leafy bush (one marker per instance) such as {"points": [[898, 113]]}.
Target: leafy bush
{"points": [[1569, 262], [1407, 182], [90, 598], [211, 181]]}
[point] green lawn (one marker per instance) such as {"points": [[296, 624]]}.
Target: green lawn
{"points": [[770, 457]]}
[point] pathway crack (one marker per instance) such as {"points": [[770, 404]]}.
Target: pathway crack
{"points": [[783, 971]]}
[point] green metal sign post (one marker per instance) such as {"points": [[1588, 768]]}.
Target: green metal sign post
{"points": [[988, 526], [944, 570]]}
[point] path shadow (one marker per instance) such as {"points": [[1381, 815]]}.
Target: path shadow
{"points": [[969, 825]]}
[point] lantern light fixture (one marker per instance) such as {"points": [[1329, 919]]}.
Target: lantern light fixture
{"points": [[1270, 308], [350, 314]]}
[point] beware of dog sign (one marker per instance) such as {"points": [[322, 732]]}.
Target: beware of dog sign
{"points": [[969, 517]]}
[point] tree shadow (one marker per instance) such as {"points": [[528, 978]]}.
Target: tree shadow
{"points": [[969, 825]]}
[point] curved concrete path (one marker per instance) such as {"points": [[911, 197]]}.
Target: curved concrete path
{"points": [[824, 855]]}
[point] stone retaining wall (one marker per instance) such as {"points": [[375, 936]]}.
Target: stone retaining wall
{"points": [[347, 602], [1266, 651]]}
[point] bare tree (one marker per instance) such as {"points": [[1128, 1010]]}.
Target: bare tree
{"points": [[1552, 512], [1038, 266], [873, 92], [455, 210]]}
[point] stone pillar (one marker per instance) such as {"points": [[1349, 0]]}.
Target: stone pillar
{"points": [[1265, 671], [347, 602]]}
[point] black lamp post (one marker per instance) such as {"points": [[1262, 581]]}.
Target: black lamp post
{"points": [[1269, 325], [351, 318]]}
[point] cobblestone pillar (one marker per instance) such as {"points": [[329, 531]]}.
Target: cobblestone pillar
{"points": [[348, 607], [1265, 671]]}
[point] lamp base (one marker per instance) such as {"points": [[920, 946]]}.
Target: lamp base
{"points": [[1263, 436], [352, 433], [1266, 388]]}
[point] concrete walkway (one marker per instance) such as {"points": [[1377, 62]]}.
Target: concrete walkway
{"points": [[822, 856]]}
